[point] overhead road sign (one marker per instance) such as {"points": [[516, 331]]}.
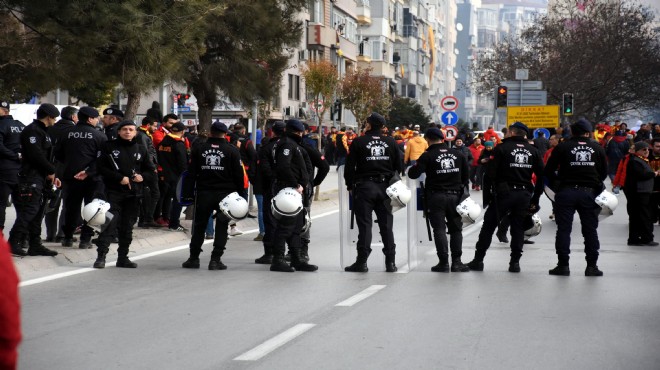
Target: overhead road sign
{"points": [[449, 118], [539, 116], [449, 103]]}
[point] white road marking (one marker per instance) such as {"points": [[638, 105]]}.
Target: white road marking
{"points": [[361, 296], [274, 343], [134, 258]]}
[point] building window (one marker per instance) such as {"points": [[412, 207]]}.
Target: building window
{"points": [[315, 8], [294, 87], [345, 26], [378, 44]]}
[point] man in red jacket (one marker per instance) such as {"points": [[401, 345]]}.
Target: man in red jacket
{"points": [[10, 318], [475, 176]]}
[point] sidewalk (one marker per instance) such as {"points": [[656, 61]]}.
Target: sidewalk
{"points": [[150, 240]]}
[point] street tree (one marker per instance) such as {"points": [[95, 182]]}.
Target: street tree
{"points": [[607, 53], [321, 81], [361, 93], [406, 111], [138, 43], [246, 50]]}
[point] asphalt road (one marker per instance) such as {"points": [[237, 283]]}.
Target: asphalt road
{"points": [[160, 316]]}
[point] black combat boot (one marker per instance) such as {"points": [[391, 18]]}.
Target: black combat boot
{"points": [[100, 259], [501, 236], [67, 242], [17, 248], [40, 250], [191, 263], [390, 263], [216, 264], [562, 268], [123, 261], [458, 266], [592, 270], [85, 245], [443, 265], [360, 264], [514, 263], [267, 258], [304, 250], [299, 263], [279, 264], [477, 264]]}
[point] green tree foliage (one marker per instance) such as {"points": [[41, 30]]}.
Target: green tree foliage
{"points": [[245, 52], [606, 53], [406, 111], [137, 43], [361, 93], [321, 80]]}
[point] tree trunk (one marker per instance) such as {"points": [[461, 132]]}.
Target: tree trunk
{"points": [[132, 105], [206, 99]]}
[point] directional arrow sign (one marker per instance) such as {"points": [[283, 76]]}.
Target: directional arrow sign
{"points": [[449, 118]]}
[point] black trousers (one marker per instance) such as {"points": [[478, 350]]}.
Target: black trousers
{"points": [[6, 189], [270, 224], [207, 201], [29, 205], [515, 204], [287, 232], [158, 210], [150, 196], [54, 220], [567, 202], [444, 217], [124, 208], [75, 193], [370, 197], [640, 217]]}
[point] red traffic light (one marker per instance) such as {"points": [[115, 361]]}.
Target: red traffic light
{"points": [[502, 90]]}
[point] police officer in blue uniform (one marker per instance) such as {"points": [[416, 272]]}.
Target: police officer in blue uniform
{"points": [[578, 166], [447, 175], [213, 183], [36, 174], [10, 157], [512, 165], [372, 162], [78, 151]]}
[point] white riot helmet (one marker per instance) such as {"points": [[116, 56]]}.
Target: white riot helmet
{"points": [[287, 203], [608, 203], [536, 227], [469, 210], [234, 206], [399, 195], [96, 214]]}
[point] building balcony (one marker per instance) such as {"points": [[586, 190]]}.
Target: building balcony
{"points": [[363, 12], [320, 35]]}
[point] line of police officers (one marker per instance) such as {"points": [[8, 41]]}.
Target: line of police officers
{"points": [[285, 162]]}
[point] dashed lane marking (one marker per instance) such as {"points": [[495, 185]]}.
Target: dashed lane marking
{"points": [[360, 296], [274, 343]]}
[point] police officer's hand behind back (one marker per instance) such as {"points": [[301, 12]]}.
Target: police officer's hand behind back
{"points": [[54, 180], [80, 175], [126, 181], [300, 189]]}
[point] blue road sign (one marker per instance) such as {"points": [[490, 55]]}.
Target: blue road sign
{"points": [[182, 109], [544, 130], [449, 118]]}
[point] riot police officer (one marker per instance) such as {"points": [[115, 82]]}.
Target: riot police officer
{"points": [[578, 167], [512, 164], [10, 157], [291, 171], [36, 176], [447, 174], [265, 170], [111, 118], [216, 168], [373, 161], [121, 163], [78, 151]]}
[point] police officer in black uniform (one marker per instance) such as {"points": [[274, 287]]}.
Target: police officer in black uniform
{"points": [[78, 151], [54, 220], [578, 167], [10, 157], [265, 170], [291, 171], [372, 162], [511, 167], [447, 174], [111, 118], [36, 174], [316, 163], [121, 163], [216, 167]]}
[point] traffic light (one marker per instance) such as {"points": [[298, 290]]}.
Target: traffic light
{"points": [[337, 109], [567, 105], [502, 93], [181, 99]]}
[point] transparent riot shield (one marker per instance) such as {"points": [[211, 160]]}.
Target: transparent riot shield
{"points": [[420, 237], [348, 233]]}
